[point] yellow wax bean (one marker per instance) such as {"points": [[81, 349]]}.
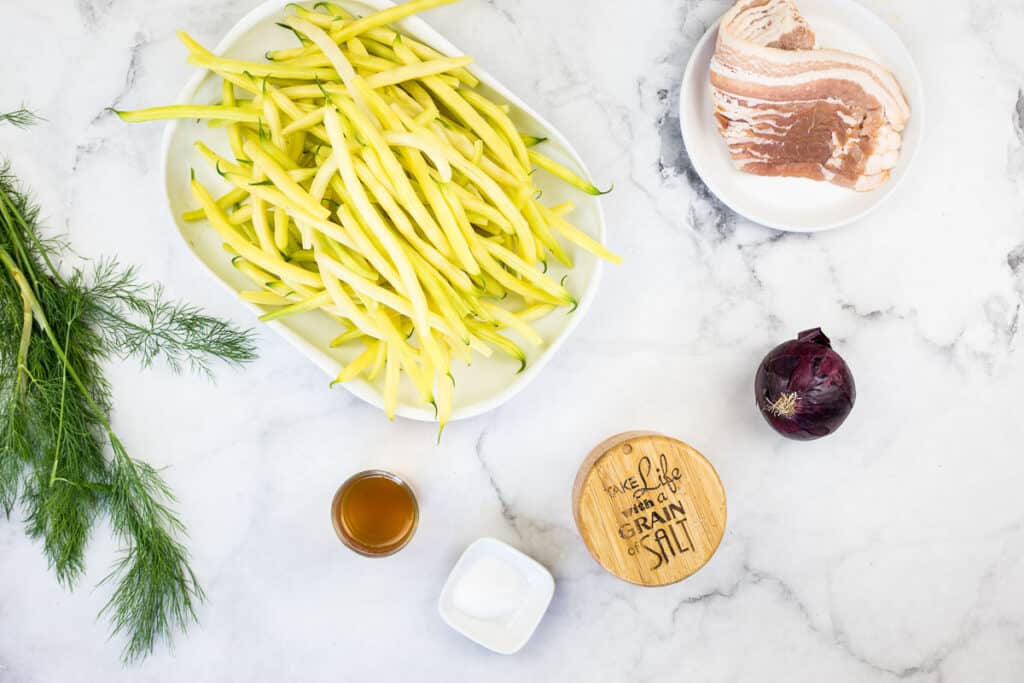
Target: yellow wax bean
{"points": [[386, 36], [225, 201], [543, 233], [280, 228], [272, 117], [283, 181], [240, 217], [497, 275], [535, 313], [563, 209], [413, 72], [230, 235], [445, 386], [322, 20], [223, 65], [267, 193], [346, 337], [559, 171], [278, 155], [263, 298], [385, 17], [306, 121], [500, 342], [527, 271], [348, 308], [360, 365], [574, 234], [188, 111], [504, 124], [513, 322], [313, 303], [259, 222], [234, 135], [378, 363]]}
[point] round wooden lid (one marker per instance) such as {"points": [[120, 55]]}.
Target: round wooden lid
{"points": [[650, 509]]}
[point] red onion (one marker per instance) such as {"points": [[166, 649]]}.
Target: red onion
{"points": [[804, 389]]}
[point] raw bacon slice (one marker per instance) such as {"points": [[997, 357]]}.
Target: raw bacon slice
{"points": [[788, 109]]}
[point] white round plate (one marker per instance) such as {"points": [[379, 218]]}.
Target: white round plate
{"points": [[489, 382], [798, 204]]}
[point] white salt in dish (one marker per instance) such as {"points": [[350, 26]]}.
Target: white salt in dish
{"points": [[496, 596]]}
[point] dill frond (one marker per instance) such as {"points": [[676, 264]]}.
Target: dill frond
{"points": [[62, 495], [15, 445], [21, 118], [137, 320], [157, 591]]}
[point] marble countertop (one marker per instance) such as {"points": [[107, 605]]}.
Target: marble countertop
{"points": [[893, 550]]}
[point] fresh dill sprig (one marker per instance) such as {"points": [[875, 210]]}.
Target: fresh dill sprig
{"points": [[136, 320], [60, 460], [157, 591], [21, 117]]}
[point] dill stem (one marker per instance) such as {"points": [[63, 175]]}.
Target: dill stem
{"points": [[26, 331], [60, 423], [9, 210], [40, 315]]}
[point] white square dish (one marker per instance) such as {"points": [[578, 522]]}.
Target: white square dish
{"points": [[505, 634]]}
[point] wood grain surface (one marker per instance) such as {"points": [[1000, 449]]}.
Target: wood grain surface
{"points": [[651, 509]]}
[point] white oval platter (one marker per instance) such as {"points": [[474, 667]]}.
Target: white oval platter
{"points": [[489, 382]]}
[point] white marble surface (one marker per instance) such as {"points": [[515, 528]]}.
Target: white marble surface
{"points": [[894, 550]]}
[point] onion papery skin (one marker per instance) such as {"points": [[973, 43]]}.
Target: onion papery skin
{"points": [[804, 389]]}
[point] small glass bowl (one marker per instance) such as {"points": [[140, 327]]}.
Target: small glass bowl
{"points": [[354, 543]]}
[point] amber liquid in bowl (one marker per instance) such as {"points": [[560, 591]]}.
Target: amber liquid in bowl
{"points": [[375, 513]]}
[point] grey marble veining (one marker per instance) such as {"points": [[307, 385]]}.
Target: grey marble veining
{"points": [[892, 551]]}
